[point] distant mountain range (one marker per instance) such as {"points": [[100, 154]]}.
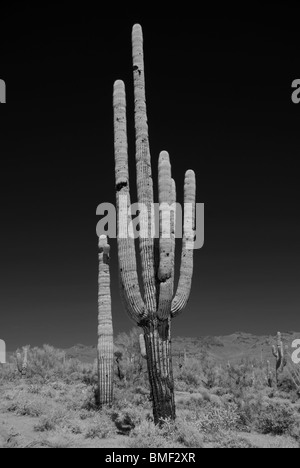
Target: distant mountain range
{"points": [[232, 348]]}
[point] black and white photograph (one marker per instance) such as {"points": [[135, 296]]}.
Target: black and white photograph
{"points": [[149, 254]]}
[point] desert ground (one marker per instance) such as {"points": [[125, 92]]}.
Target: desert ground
{"points": [[224, 398]]}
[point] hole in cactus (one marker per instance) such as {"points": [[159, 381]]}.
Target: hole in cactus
{"points": [[121, 185], [136, 68]]}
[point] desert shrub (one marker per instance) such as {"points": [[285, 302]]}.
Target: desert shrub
{"points": [[216, 376], [75, 428], [49, 364], [140, 400], [191, 375], [215, 418], [141, 397], [275, 419], [8, 439], [187, 434], [287, 384], [7, 373], [100, 427], [89, 376], [127, 419], [198, 400], [177, 434], [50, 421], [90, 399], [131, 368], [46, 363], [35, 389], [216, 400], [294, 430], [147, 435], [85, 414], [223, 439], [248, 411], [219, 391], [57, 439], [24, 406], [191, 402]]}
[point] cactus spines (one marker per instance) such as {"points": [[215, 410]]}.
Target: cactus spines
{"points": [[154, 305], [278, 353], [22, 362], [105, 327]]}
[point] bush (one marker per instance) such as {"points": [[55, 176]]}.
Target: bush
{"points": [[187, 434], [189, 376], [51, 421], [147, 435], [127, 420], [215, 418], [100, 427], [47, 364], [230, 440], [8, 373], [23, 406], [275, 419], [171, 434]]}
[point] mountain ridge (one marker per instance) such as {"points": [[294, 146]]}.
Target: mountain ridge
{"points": [[225, 348]]}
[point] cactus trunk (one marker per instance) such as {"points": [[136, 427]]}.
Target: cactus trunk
{"points": [[153, 306], [159, 359], [105, 328]]}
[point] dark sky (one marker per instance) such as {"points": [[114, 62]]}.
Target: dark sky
{"points": [[219, 100]]}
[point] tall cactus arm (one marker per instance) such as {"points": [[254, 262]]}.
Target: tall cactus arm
{"points": [[173, 228], [166, 236], [144, 172], [129, 283], [186, 270]]}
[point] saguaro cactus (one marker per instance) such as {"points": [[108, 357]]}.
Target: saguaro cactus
{"points": [[182, 359], [105, 327], [278, 353], [153, 308], [22, 362], [269, 375]]}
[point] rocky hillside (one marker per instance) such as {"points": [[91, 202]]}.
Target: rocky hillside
{"points": [[232, 348]]}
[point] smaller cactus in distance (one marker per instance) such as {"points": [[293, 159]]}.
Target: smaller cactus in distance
{"points": [[22, 362], [105, 326], [182, 359], [278, 353], [269, 375]]}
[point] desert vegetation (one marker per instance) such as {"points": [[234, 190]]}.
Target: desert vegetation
{"points": [[223, 405]]}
